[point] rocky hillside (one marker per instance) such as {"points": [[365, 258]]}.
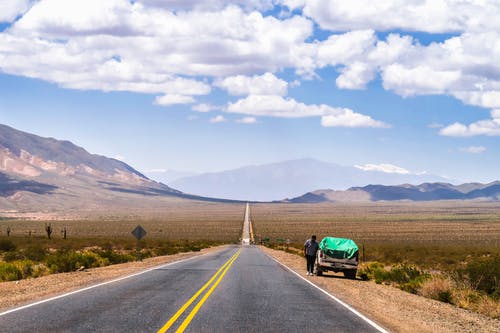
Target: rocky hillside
{"points": [[39, 173]]}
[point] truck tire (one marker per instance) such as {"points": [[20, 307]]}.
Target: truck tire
{"points": [[318, 269], [350, 274]]}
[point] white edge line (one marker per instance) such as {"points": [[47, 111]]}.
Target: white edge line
{"points": [[99, 284], [369, 321]]}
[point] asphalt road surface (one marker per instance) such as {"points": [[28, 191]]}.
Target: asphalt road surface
{"points": [[236, 289]]}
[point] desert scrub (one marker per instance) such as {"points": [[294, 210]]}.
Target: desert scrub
{"points": [[7, 245], [406, 277], [9, 272], [69, 261], [36, 256], [483, 274], [440, 288]]}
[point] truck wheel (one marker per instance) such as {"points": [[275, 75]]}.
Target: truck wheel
{"points": [[317, 269], [350, 274]]}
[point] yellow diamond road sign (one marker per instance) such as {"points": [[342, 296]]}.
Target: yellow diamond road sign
{"points": [[139, 232]]}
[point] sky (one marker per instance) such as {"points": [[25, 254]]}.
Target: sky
{"points": [[204, 86]]}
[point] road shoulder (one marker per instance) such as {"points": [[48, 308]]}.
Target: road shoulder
{"points": [[394, 309]]}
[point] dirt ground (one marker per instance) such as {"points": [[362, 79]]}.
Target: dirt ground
{"points": [[391, 308], [394, 309]]}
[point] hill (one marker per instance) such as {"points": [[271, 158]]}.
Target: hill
{"points": [[422, 192], [49, 175]]}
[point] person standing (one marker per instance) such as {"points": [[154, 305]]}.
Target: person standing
{"points": [[311, 246]]}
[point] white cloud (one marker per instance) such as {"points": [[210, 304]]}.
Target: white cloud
{"points": [[473, 149], [204, 107], [247, 120], [174, 48], [387, 168], [177, 5], [218, 119], [11, 9], [266, 84], [167, 100], [344, 48], [355, 76], [119, 157], [426, 15], [150, 42], [348, 118], [488, 127], [277, 106], [418, 80]]}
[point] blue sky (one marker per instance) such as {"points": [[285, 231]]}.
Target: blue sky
{"points": [[190, 87]]}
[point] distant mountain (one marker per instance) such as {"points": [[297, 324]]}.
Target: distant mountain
{"points": [[422, 192], [39, 173], [288, 179]]}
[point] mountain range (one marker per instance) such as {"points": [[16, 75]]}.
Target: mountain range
{"points": [[422, 192], [290, 179], [47, 175]]}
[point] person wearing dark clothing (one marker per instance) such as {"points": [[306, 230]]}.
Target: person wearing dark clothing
{"points": [[311, 246]]}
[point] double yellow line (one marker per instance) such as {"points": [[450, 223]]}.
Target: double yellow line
{"points": [[218, 275]]}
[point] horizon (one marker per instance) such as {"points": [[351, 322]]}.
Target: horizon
{"points": [[295, 80]]}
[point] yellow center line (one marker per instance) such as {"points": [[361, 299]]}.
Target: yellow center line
{"points": [[195, 310], [172, 320]]}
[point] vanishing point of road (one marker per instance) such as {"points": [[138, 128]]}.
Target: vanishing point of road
{"points": [[236, 289]]}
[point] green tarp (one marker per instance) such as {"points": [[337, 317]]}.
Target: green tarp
{"points": [[339, 248]]}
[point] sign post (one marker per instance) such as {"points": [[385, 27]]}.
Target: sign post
{"points": [[139, 233]]}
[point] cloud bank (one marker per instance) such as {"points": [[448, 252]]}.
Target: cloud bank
{"points": [[180, 51]]}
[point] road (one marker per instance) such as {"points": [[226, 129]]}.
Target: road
{"points": [[236, 289], [245, 237]]}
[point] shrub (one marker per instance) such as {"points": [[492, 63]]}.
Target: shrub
{"points": [[6, 245], [35, 253], [438, 288], [373, 271], [483, 274], [9, 272], [408, 278], [12, 256], [68, 261], [113, 257], [25, 267]]}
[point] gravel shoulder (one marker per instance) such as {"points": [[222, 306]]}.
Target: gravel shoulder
{"points": [[18, 293], [396, 310]]}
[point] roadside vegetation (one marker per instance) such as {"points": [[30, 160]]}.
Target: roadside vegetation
{"points": [[22, 258], [447, 253]]}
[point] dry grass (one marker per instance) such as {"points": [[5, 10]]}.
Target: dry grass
{"points": [[426, 223], [200, 221], [438, 287]]}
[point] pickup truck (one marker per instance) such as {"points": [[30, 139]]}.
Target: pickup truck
{"points": [[337, 255]]}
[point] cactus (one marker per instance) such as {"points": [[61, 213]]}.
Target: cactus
{"points": [[48, 229]]}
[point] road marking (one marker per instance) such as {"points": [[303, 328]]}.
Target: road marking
{"points": [[100, 284], [172, 320], [195, 310], [369, 321]]}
